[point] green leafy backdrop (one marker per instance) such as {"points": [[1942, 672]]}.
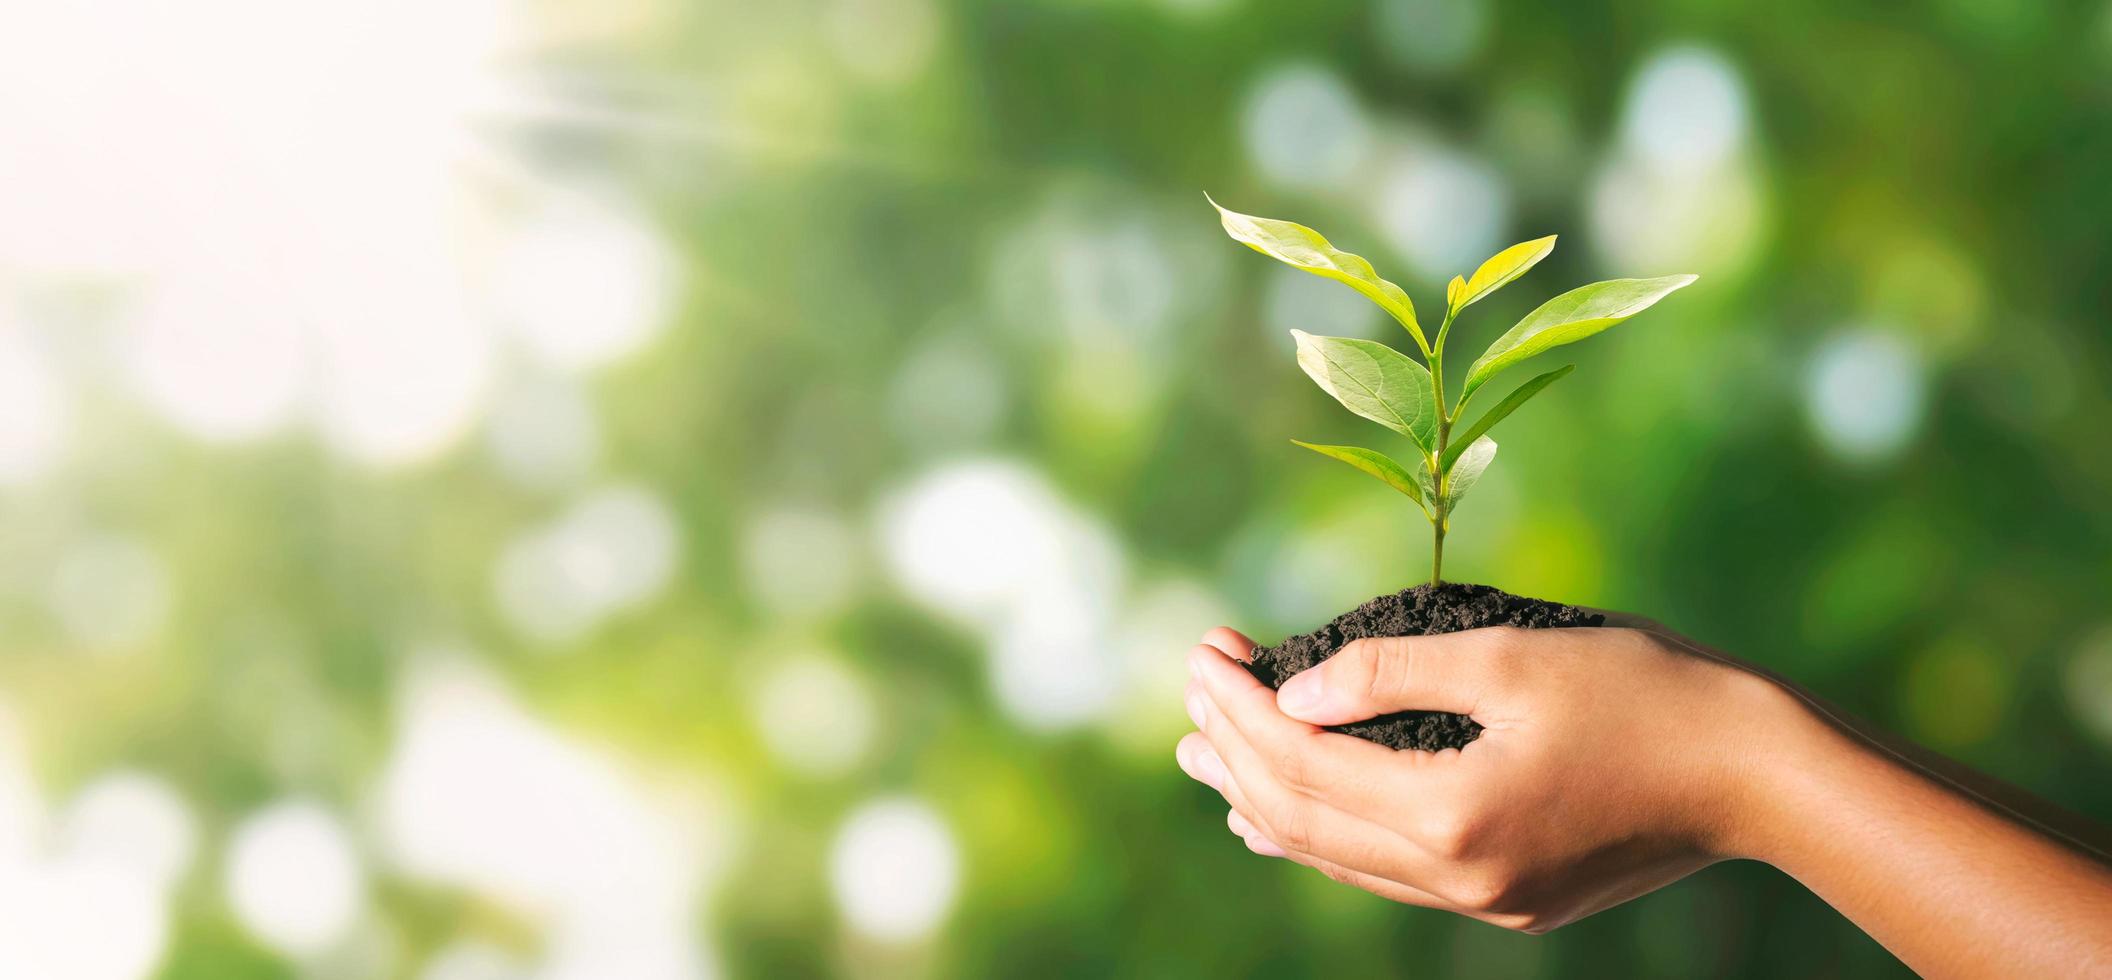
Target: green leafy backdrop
{"points": [[957, 395]]}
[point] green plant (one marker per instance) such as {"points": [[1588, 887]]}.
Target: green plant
{"points": [[1383, 385]]}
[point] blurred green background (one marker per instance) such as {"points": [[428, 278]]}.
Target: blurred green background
{"points": [[536, 488]]}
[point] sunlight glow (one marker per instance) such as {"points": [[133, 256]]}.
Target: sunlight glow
{"points": [[34, 419], [222, 367], [583, 281], [289, 230], [481, 795]]}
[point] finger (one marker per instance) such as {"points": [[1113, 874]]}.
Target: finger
{"points": [[1377, 676], [1344, 772], [1378, 884], [1200, 761], [1384, 888], [1301, 824], [1257, 842], [1234, 643]]}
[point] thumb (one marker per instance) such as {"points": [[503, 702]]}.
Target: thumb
{"points": [[1377, 676]]}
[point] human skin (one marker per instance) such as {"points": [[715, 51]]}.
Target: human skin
{"points": [[1617, 760]]}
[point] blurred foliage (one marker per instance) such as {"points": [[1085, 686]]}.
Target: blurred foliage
{"points": [[911, 236]]}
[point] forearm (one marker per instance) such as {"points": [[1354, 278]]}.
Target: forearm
{"points": [[1950, 883]]}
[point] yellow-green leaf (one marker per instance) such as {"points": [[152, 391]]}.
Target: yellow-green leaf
{"points": [[1377, 464], [1454, 290], [1375, 381], [1468, 470], [1566, 319], [1301, 247], [1503, 267], [1505, 407]]}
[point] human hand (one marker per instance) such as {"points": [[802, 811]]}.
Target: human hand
{"points": [[1613, 762]]}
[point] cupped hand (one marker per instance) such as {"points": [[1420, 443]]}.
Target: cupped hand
{"points": [[1613, 761]]}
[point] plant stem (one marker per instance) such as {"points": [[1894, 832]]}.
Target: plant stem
{"points": [[1437, 554], [1440, 509]]}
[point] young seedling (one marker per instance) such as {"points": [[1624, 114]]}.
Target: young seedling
{"points": [[1383, 385]]}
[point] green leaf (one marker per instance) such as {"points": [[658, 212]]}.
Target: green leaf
{"points": [[1505, 407], [1297, 245], [1375, 381], [1503, 267], [1379, 465], [1566, 319], [1454, 291], [1468, 470]]}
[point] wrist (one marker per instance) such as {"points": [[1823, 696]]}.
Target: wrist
{"points": [[1800, 765], [1785, 757]]}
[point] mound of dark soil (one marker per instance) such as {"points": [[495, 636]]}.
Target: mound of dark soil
{"points": [[1446, 608]]}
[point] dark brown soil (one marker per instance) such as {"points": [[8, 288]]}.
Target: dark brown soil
{"points": [[1446, 608]]}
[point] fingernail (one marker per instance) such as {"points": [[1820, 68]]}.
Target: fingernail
{"points": [[1265, 847], [1210, 769], [1300, 694], [1195, 709]]}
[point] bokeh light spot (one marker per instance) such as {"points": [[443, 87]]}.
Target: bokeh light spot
{"points": [[612, 551], [221, 367], [1679, 193], [481, 795], [815, 715], [400, 386], [1432, 35], [294, 879], [474, 960], [1297, 300], [77, 920], [801, 562], [1152, 638], [583, 281], [134, 820], [1864, 394], [1686, 110], [1303, 127], [894, 868], [543, 434], [110, 593], [950, 394], [989, 543], [2088, 683], [1443, 209]]}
